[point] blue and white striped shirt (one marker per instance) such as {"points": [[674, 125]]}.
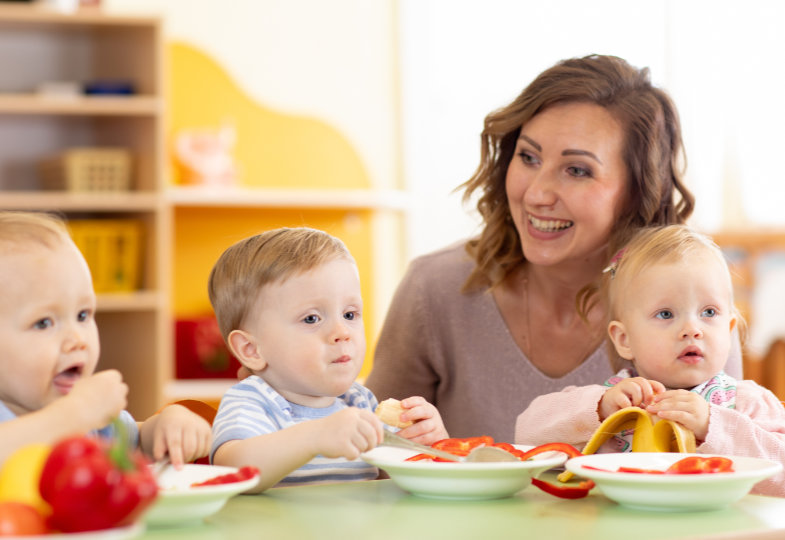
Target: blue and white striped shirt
{"points": [[252, 407]]}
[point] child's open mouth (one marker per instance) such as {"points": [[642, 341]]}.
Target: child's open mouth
{"points": [[691, 355], [66, 379]]}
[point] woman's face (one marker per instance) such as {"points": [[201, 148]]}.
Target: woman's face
{"points": [[566, 183]]}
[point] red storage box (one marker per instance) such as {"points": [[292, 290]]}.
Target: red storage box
{"points": [[200, 351]]}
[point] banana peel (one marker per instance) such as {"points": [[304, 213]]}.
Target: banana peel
{"points": [[650, 435]]}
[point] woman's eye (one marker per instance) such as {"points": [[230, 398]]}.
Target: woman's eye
{"points": [[311, 319], [43, 323], [709, 312], [527, 158], [579, 172], [664, 314]]}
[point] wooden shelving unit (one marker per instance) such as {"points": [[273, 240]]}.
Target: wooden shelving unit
{"points": [[39, 46]]}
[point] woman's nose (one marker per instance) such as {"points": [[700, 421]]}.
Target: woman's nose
{"points": [[541, 189]]}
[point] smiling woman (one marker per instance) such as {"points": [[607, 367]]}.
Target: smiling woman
{"points": [[587, 154]]}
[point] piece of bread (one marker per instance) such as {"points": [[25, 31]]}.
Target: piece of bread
{"points": [[389, 411]]}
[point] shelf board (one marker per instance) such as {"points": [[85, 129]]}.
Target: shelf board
{"points": [[74, 201], [130, 301], [40, 14], [197, 388], [198, 196], [139, 105]]}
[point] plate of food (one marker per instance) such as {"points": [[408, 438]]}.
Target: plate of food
{"points": [[196, 491], [671, 481], [460, 481]]}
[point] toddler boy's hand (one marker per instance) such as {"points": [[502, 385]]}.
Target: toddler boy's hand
{"points": [[97, 400], [347, 433], [428, 426], [180, 433]]}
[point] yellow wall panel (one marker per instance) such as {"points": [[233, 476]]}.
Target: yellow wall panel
{"points": [[273, 149]]}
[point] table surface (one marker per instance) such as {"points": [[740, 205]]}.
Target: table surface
{"points": [[378, 509]]}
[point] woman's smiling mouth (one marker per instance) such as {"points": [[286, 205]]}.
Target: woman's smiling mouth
{"points": [[549, 225]]}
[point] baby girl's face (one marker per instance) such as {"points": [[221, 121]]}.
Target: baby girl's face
{"points": [[48, 334], [678, 320]]}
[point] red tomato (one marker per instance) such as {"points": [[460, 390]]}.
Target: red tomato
{"points": [[20, 519]]}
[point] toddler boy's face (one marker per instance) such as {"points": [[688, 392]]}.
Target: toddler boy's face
{"points": [[48, 334], [310, 333]]}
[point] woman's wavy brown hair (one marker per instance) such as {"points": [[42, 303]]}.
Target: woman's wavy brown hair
{"points": [[653, 155]]}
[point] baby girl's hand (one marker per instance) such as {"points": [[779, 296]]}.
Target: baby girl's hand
{"points": [[632, 392], [180, 433], [347, 433], [96, 400], [685, 407], [428, 426]]}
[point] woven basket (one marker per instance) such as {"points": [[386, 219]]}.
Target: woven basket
{"points": [[88, 169]]}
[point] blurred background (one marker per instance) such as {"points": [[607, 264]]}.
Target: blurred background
{"points": [[363, 116]]}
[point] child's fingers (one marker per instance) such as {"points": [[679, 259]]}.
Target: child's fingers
{"points": [[412, 401]]}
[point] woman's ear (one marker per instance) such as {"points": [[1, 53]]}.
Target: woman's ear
{"points": [[620, 339], [246, 349]]}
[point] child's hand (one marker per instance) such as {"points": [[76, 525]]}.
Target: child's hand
{"points": [[685, 407], [428, 426], [180, 433], [98, 399], [347, 433], [632, 392]]}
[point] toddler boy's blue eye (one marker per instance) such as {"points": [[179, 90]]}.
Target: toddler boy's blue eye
{"points": [[709, 312], [83, 315], [311, 319], [664, 314], [349, 316]]}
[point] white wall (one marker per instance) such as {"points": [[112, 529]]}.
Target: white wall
{"points": [[720, 60], [330, 60]]}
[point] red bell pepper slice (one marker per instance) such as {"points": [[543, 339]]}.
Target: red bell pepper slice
{"points": [[701, 465], [462, 446], [636, 470], [565, 492], [242, 474], [568, 449]]}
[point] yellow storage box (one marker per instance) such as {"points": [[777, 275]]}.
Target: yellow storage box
{"points": [[112, 248]]}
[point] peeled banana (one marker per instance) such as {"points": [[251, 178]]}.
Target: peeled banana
{"points": [[650, 435]]}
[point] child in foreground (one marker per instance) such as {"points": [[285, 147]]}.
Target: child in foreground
{"points": [[49, 350], [670, 301], [288, 304]]}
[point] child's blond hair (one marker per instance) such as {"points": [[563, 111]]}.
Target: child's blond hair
{"points": [[658, 245], [270, 257], [19, 229]]}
